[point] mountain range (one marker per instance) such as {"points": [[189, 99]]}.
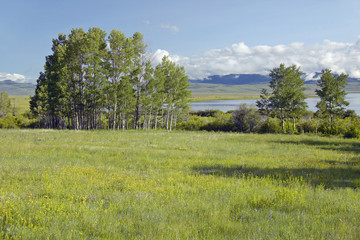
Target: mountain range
{"points": [[250, 79], [28, 89], [17, 89]]}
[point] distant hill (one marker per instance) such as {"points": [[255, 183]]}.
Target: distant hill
{"points": [[17, 89], [250, 79], [234, 79]]}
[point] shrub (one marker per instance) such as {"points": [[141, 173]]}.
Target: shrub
{"points": [[271, 125], [246, 119], [219, 126], [9, 122], [192, 123], [21, 121], [206, 113], [305, 127], [353, 130], [220, 122]]}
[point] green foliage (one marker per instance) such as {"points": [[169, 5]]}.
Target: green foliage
{"points": [[85, 79], [271, 125], [246, 119], [332, 95], [353, 131], [207, 113], [193, 123], [307, 125], [209, 121], [8, 122], [264, 104], [6, 108], [287, 99], [20, 121]]}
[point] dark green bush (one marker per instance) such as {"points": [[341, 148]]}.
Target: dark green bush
{"points": [[352, 132], [193, 123], [271, 125], [246, 119]]}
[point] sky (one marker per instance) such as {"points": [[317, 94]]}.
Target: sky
{"points": [[206, 37]]}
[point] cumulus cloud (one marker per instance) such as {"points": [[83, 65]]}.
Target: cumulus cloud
{"points": [[173, 29], [13, 77], [240, 58], [158, 55]]}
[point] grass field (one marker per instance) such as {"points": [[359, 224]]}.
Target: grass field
{"points": [[200, 97], [21, 103], [178, 185], [207, 91]]}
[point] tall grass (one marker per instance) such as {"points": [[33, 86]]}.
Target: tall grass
{"points": [[178, 185]]}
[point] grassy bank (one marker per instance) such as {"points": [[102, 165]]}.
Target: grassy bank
{"points": [[201, 97], [179, 185]]}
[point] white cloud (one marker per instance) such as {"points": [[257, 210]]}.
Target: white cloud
{"points": [[13, 77], [240, 58], [157, 56], [173, 29]]}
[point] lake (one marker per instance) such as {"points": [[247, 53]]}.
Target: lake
{"points": [[226, 105]]}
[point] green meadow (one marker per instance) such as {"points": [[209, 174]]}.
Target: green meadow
{"points": [[21, 103], [177, 185]]}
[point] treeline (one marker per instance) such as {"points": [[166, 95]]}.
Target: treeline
{"points": [[282, 108], [94, 81], [248, 119], [8, 114]]}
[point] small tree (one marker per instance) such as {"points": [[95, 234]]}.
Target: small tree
{"points": [[264, 103], [332, 95], [287, 99], [246, 119], [5, 105]]}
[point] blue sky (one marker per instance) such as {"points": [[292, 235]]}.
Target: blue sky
{"points": [[207, 37]]}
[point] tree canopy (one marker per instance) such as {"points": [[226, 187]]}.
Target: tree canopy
{"points": [[332, 95], [5, 105], [93, 81], [286, 99]]}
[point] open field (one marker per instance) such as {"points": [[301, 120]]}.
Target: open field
{"points": [[253, 89], [207, 91], [178, 185], [200, 97], [21, 103]]}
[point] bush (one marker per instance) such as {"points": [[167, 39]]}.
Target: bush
{"points": [[271, 125], [353, 130], [220, 122], [193, 123], [9, 122], [305, 127], [219, 126], [21, 121], [246, 119], [206, 113]]}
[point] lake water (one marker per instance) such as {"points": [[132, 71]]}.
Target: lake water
{"points": [[226, 105]]}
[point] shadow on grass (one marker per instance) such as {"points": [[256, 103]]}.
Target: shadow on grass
{"points": [[329, 177], [337, 145]]}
